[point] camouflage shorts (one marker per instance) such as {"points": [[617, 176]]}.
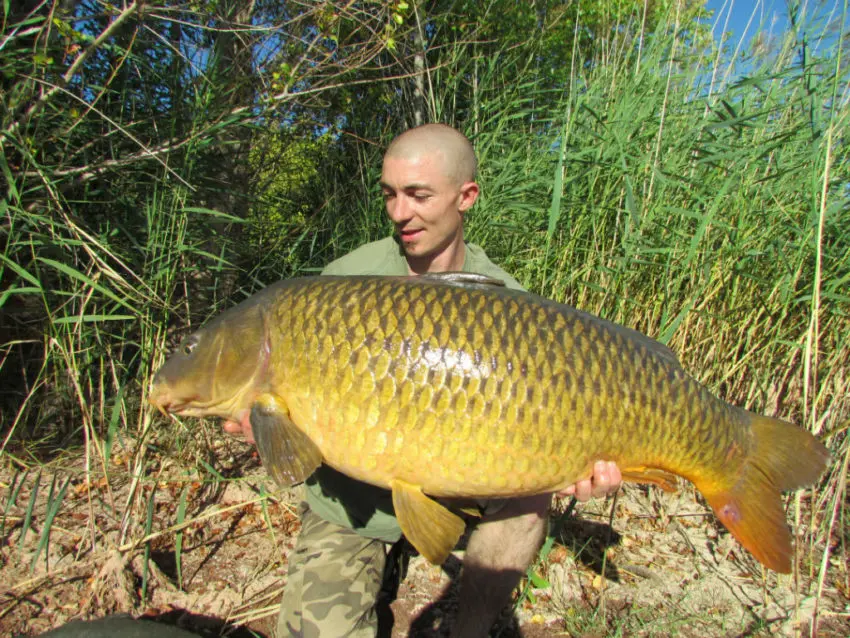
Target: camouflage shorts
{"points": [[335, 577]]}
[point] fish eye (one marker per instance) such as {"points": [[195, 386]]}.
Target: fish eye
{"points": [[189, 345]]}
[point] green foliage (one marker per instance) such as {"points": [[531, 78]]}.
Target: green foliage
{"points": [[178, 537], [130, 176], [287, 170], [161, 164], [54, 503], [147, 550]]}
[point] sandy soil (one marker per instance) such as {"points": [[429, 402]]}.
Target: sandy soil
{"points": [[661, 568]]}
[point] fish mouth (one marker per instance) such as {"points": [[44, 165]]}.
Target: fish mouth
{"points": [[189, 406], [167, 405], [166, 408]]}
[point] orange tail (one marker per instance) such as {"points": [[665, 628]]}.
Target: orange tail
{"points": [[783, 457]]}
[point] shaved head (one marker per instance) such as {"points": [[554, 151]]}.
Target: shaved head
{"points": [[455, 151]]}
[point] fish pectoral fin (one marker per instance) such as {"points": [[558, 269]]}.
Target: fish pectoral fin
{"points": [[289, 455], [667, 481], [431, 528]]}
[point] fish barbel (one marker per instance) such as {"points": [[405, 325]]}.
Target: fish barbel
{"points": [[444, 386]]}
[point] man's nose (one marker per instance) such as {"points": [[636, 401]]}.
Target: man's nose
{"points": [[399, 209]]}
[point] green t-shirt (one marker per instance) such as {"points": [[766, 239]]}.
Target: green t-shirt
{"points": [[330, 494]]}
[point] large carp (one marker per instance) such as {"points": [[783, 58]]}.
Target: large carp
{"points": [[451, 386]]}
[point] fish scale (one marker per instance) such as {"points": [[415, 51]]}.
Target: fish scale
{"points": [[421, 418], [449, 386]]}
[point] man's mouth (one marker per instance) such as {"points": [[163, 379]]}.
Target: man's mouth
{"points": [[407, 235]]}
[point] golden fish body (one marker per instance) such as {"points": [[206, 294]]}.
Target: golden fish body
{"points": [[450, 387]]}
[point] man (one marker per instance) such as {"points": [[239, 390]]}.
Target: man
{"points": [[336, 570]]}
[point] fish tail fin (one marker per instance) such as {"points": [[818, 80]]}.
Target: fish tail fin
{"points": [[783, 457]]}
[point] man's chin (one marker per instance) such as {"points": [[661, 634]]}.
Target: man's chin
{"points": [[417, 245]]}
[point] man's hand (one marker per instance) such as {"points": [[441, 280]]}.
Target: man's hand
{"points": [[606, 480], [243, 429]]}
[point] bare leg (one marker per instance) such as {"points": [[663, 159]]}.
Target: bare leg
{"points": [[500, 549]]}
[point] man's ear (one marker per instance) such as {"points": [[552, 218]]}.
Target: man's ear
{"points": [[468, 195]]}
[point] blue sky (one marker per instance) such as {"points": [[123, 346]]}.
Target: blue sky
{"points": [[743, 17], [773, 14]]}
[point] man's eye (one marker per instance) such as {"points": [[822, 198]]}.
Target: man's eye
{"points": [[421, 197]]}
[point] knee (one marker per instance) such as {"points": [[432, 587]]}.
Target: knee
{"points": [[509, 539], [524, 516]]}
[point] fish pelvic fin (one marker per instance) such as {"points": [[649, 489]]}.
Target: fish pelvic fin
{"points": [[431, 528], [289, 455], [783, 457]]}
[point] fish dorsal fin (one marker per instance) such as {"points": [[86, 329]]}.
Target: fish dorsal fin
{"points": [[289, 455], [462, 279], [431, 528]]}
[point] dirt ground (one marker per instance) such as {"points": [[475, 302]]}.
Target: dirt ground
{"points": [[661, 568]]}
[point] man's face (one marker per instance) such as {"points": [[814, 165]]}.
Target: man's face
{"points": [[425, 205]]}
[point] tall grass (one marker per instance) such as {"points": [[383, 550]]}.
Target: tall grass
{"points": [[703, 201], [700, 200], [713, 217]]}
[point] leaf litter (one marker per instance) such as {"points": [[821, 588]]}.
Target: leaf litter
{"points": [[662, 567]]}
